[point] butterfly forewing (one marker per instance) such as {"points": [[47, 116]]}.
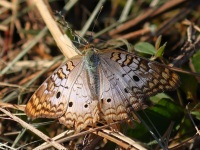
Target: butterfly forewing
{"points": [[143, 77], [50, 100]]}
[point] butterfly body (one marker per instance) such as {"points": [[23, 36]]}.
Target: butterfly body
{"points": [[91, 64], [100, 85]]}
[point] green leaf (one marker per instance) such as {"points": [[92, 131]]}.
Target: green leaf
{"points": [[159, 96], [196, 62], [196, 113], [161, 115], [189, 85], [158, 41], [146, 48], [167, 108], [160, 51]]}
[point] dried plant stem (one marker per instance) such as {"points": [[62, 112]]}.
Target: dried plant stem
{"points": [[44, 145], [63, 42], [32, 129], [30, 44], [149, 13], [13, 106], [115, 137], [38, 65], [120, 139], [92, 17], [6, 4]]}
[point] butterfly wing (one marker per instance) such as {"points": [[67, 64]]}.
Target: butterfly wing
{"points": [[50, 99], [113, 101], [127, 80], [65, 95], [82, 109]]}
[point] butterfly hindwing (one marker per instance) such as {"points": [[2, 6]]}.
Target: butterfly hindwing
{"points": [[82, 108], [113, 102]]}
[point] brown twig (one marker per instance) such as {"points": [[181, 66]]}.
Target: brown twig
{"points": [[132, 23], [147, 14], [13, 106], [135, 34], [63, 42], [32, 129]]}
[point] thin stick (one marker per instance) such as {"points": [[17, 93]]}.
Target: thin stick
{"points": [[13, 106], [190, 116], [30, 45], [120, 139], [63, 42], [6, 4], [151, 132], [32, 129]]}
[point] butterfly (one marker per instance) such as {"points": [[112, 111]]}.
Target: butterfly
{"points": [[99, 85]]}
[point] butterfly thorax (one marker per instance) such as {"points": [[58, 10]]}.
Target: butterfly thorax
{"points": [[91, 61]]}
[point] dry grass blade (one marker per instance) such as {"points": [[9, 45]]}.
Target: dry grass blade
{"points": [[46, 145], [132, 22], [114, 136], [120, 139], [63, 42], [38, 65], [5, 4], [149, 13], [77, 135], [27, 51], [2, 146], [13, 106], [32, 129]]}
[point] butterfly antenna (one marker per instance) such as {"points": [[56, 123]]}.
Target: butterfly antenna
{"points": [[76, 36], [95, 21]]}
